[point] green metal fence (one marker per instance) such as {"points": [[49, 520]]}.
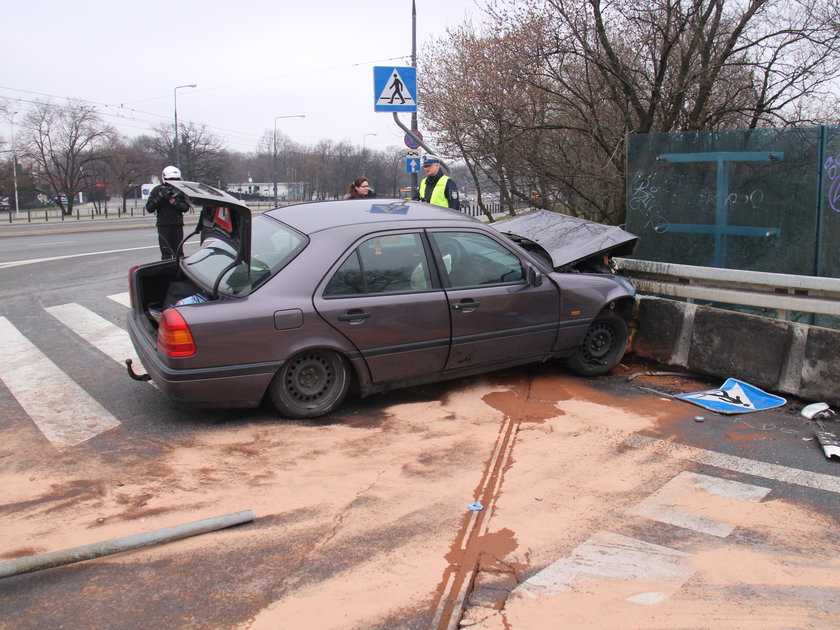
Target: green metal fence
{"points": [[762, 200]]}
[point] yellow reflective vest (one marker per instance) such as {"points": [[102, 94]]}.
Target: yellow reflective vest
{"points": [[438, 197]]}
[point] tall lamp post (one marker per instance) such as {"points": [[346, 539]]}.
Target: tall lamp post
{"points": [[274, 152], [175, 92], [364, 160], [14, 163]]}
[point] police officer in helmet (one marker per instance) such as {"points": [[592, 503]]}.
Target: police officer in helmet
{"points": [[169, 205]]}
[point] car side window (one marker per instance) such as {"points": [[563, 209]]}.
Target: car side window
{"points": [[391, 263], [470, 259]]}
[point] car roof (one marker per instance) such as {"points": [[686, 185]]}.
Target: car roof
{"points": [[322, 215]]}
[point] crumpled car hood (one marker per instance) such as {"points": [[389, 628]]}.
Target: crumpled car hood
{"points": [[565, 239]]}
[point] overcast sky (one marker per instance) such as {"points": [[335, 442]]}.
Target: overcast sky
{"points": [[252, 60]]}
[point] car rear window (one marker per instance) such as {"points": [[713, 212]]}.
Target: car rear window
{"points": [[273, 245]]}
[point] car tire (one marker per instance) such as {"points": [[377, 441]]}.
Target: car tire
{"points": [[310, 384], [602, 347]]}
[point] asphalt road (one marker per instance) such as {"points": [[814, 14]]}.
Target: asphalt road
{"points": [[364, 519]]}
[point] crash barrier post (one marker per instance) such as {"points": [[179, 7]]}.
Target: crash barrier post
{"points": [[772, 353]]}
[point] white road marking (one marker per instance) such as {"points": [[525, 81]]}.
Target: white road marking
{"points": [[108, 338], [734, 463], [121, 298], [62, 410], [609, 556], [672, 503], [32, 261]]}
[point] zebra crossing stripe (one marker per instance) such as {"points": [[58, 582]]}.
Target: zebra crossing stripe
{"points": [[108, 338], [786, 474], [121, 298], [610, 556], [676, 502], [62, 410]]}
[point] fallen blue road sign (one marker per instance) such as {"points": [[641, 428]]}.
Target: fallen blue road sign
{"points": [[734, 396]]}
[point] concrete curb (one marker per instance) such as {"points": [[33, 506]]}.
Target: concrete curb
{"points": [[779, 356]]}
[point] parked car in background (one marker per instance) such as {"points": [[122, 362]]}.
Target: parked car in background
{"points": [[306, 302]]}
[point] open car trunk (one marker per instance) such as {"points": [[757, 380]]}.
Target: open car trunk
{"points": [[161, 285], [568, 243]]}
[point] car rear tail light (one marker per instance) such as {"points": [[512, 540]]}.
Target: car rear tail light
{"points": [[131, 284], [174, 337]]}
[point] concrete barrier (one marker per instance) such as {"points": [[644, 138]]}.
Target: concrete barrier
{"points": [[778, 356]]}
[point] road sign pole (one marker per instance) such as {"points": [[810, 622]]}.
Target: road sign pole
{"points": [[414, 176]]}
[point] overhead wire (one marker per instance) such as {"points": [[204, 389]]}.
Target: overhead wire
{"points": [[133, 118]]}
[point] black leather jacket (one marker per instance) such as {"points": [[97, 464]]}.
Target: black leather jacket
{"points": [[169, 205]]}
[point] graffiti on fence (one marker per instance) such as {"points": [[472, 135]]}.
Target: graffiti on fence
{"points": [[752, 200], [832, 171], [643, 199]]}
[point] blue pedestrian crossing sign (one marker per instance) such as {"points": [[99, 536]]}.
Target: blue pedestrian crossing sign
{"points": [[394, 89], [734, 396]]}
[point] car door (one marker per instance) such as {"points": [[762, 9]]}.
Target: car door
{"points": [[497, 315], [384, 298]]}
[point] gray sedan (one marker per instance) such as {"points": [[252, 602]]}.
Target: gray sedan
{"points": [[306, 302]]}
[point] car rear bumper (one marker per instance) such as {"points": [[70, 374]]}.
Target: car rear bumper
{"points": [[222, 386]]}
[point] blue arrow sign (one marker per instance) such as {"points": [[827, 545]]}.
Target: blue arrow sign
{"points": [[394, 89], [412, 165]]}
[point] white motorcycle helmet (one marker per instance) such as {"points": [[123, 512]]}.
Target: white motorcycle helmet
{"points": [[171, 172]]}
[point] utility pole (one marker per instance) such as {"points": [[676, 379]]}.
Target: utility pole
{"points": [[274, 153], [14, 164], [415, 181], [175, 92]]}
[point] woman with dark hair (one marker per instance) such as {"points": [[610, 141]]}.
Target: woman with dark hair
{"points": [[359, 188]]}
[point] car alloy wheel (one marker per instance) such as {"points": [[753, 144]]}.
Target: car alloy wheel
{"points": [[310, 384]]}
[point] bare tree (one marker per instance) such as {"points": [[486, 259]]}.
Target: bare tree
{"points": [[202, 154], [574, 77], [61, 140], [130, 164]]}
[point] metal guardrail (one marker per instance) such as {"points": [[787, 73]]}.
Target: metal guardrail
{"points": [[784, 292]]}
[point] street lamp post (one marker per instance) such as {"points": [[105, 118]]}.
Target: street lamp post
{"points": [[175, 92], [14, 163], [364, 160], [364, 138], [274, 152]]}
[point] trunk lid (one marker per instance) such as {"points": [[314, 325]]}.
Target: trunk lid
{"points": [[222, 216]]}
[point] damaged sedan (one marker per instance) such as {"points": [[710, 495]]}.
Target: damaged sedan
{"points": [[304, 303]]}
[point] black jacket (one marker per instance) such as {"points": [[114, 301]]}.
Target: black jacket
{"points": [[169, 205]]}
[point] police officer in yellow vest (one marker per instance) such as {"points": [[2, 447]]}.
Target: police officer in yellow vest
{"points": [[437, 188]]}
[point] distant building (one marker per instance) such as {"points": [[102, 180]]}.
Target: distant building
{"points": [[286, 191]]}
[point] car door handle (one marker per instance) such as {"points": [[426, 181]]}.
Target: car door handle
{"points": [[466, 305], [352, 316]]}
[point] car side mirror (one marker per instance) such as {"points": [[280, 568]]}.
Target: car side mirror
{"points": [[534, 277]]}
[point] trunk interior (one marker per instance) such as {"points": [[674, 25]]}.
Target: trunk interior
{"points": [[156, 288]]}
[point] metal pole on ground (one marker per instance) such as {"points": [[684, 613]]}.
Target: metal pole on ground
{"points": [[118, 545]]}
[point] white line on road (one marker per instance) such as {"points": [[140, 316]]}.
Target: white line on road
{"points": [[121, 298], [64, 413], [676, 503], [32, 261], [609, 556], [108, 338], [734, 463]]}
